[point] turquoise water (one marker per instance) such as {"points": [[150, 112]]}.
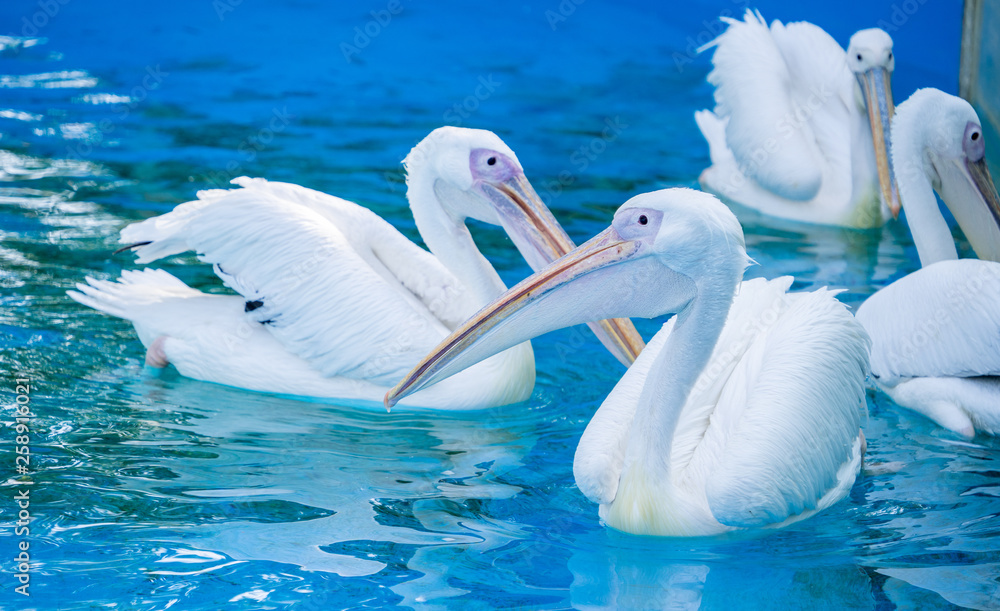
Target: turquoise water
{"points": [[162, 492]]}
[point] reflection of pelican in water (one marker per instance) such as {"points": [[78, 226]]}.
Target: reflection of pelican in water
{"points": [[616, 579], [731, 575], [969, 586], [824, 255]]}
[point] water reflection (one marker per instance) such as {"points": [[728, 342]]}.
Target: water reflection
{"points": [[602, 580], [344, 489], [968, 586], [648, 577], [851, 259]]}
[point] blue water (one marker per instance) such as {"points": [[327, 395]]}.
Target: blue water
{"points": [[162, 492]]}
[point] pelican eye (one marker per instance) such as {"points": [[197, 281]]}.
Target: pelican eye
{"points": [[491, 161], [642, 219], [974, 142], [859, 57]]}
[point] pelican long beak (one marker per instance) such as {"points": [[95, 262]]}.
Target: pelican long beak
{"points": [[877, 92], [542, 240], [516, 316], [969, 192], [983, 182]]}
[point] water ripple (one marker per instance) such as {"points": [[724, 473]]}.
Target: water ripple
{"points": [[64, 79]]}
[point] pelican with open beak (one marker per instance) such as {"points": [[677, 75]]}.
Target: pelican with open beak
{"points": [[935, 331], [799, 127], [742, 412], [333, 301]]}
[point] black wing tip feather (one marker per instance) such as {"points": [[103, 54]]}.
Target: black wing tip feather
{"points": [[130, 247]]}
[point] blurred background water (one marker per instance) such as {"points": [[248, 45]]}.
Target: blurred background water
{"points": [[152, 493]]}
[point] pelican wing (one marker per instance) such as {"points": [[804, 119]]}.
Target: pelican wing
{"points": [[333, 282], [600, 456], [940, 321], [822, 98], [781, 438], [769, 85], [770, 429]]}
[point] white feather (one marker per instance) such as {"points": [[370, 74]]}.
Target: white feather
{"points": [[317, 266], [936, 343], [936, 331], [764, 438], [940, 321], [334, 302], [744, 411], [208, 337], [786, 137]]}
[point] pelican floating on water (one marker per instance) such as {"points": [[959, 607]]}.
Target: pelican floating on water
{"points": [[333, 301], [743, 411], [936, 332], [798, 129]]}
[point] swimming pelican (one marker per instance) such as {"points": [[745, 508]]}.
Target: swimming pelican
{"points": [[936, 332], [743, 411], [799, 126], [333, 301]]}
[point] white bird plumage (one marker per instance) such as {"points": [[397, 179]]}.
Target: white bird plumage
{"points": [[797, 130], [936, 331], [768, 436], [334, 301], [744, 411]]}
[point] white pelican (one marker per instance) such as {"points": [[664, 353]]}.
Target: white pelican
{"points": [[936, 332], [333, 301], [799, 126], [743, 411]]}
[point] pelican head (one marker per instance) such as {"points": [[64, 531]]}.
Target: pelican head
{"points": [[938, 138], [664, 252], [869, 57], [472, 173], [460, 160]]}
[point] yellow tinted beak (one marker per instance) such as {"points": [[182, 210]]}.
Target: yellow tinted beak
{"points": [[516, 315], [542, 240], [877, 92]]}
